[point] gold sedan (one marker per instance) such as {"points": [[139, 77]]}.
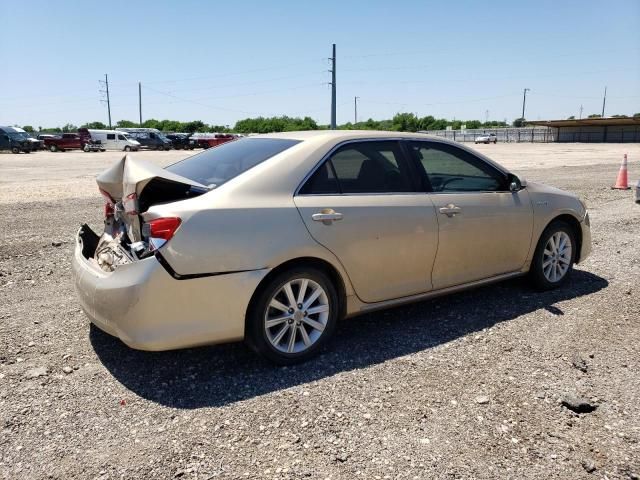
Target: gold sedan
{"points": [[274, 238]]}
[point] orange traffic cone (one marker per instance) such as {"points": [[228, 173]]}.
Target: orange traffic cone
{"points": [[621, 182]]}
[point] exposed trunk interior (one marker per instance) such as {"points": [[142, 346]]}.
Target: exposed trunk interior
{"points": [[130, 188]]}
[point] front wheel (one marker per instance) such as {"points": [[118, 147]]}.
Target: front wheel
{"points": [[86, 148], [555, 254], [293, 316]]}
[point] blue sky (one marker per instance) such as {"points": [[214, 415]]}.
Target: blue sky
{"points": [[223, 61]]}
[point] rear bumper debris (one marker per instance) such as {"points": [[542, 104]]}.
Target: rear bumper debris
{"points": [[148, 309]]}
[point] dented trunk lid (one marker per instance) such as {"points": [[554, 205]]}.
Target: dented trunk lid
{"points": [[138, 184]]}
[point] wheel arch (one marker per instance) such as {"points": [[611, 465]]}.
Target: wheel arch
{"points": [[315, 262], [574, 223]]}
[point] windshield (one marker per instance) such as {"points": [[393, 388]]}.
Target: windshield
{"points": [[215, 166], [18, 135]]}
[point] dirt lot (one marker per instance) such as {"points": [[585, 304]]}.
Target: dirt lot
{"points": [[467, 386]]}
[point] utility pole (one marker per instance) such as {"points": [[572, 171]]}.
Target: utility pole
{"points": [[486, 116], [140, 101], [355, 110], [604, 101], [524, 101], [106, 81], [333, 88], [580, 117]]}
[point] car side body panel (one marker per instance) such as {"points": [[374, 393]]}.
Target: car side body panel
{"points": [[549, 203], [387, 243], [490, 235]]}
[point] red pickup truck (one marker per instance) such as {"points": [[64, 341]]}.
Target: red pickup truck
{"points": [[208, 140], [66, 141]]}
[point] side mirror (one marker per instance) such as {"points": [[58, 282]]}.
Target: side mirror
{"points": [[516, 184]]}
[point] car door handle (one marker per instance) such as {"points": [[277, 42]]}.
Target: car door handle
{"points": [[450, 210], [326, 216]]}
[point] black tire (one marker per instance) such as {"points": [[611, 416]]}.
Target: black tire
{"points": [[127, 148], [86, 148], [255, 331], [536, 272], [53, 148], [15, 150], [102, 150]]}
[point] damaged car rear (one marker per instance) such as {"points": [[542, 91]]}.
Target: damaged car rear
{"points": [[131, 285]]}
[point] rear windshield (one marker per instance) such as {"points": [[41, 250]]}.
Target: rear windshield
{"points": [[215, 166]]}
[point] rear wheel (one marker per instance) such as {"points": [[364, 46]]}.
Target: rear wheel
{"points": [[554, 256], [127, 148], [293, 316], [86, 148], [15, 150], [53, 148]]}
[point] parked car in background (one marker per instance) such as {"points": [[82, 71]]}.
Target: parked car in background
{"points": [[65, 141], [150, 138], [208, 140], [488, 138], [111, 139], [274, 238], [181, 141], [17, 140]]}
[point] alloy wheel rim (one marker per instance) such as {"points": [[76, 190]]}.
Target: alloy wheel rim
{"points": [[556, 258], [296, 316]]}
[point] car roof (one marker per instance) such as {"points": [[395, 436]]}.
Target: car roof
{"points": [[346, 135]]}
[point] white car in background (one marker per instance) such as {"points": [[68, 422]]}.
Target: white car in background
{"points": [[488, 138]]}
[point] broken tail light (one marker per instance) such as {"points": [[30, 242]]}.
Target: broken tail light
{"points": [[160, 230], [109, 204]]}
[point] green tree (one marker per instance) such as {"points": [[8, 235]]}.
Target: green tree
{"points": [[69, 127], [151, 123], [636, 115], [126, 124], [195, 126], [519, 122], [405, 122], [95, 125], [28, 128], [595, 115], [474, 124], [572, 117]]}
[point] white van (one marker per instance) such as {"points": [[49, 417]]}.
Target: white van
{"points": [[112, 140]]}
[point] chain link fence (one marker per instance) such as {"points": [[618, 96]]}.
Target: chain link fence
{"points": [[503, 135]]}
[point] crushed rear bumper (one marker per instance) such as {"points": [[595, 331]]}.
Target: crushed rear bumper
{"points": [[148, 309]]}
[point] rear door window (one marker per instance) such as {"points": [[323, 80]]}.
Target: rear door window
{"points": [[111, 136], [362, 167]]}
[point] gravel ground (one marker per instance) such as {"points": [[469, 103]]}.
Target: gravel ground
{"points": [[466, 386]]}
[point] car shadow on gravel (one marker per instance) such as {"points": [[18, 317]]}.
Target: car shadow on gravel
{"points": [[224, 374]]}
